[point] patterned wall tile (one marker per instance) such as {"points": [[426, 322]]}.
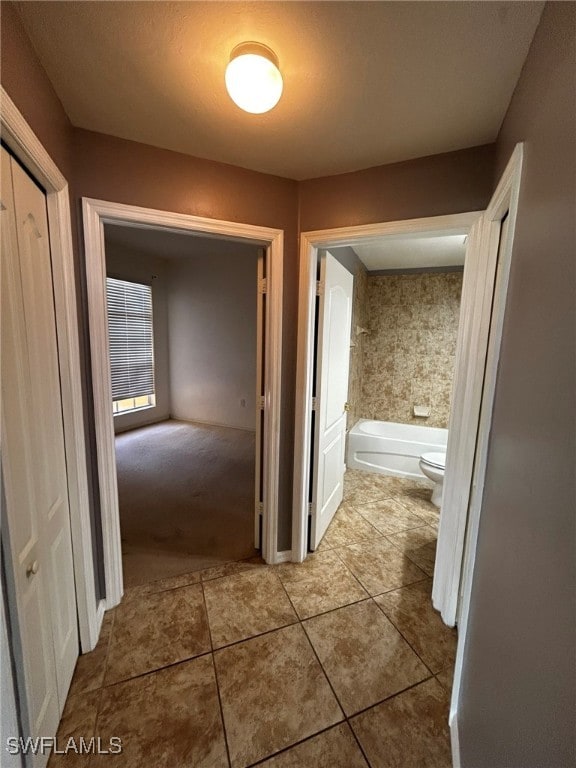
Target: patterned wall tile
{"points": [[408, 358]]}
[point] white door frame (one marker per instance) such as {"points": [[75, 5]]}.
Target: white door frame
{"points": [[98, 212], [25, 145], [504, 201], [477, 356], [310, 243]]}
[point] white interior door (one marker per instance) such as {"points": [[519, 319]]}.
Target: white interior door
{"points": [[33, 460], [332, 368], [483, 301]]}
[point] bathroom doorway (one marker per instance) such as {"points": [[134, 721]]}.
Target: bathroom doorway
{"points": [[407, 284], [488, 250]]}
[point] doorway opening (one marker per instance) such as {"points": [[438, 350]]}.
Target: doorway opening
{"points": [[202, 425], [399, 350], [182, 329], [484, 284]]}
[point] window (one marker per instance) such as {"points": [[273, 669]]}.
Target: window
{"points": [[130, 335]]}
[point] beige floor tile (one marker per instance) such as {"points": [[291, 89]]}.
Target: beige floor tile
{"points": [[321, 583], [335, 748], [162, 585], [407, 731], [446, 678], [245, 605], [166, 719], [229, 569], [361, 487], [274, 693], [78, 721], [410, 610], [379, 566], [365, 657], [418, 502], [155, 630], [91, 667], [347, 527], [389, 516], [419, 545]]}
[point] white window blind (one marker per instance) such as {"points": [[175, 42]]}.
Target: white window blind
{"points": [[130, 337]]}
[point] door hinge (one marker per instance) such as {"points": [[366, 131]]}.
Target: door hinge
{"points": [[261, 404], [309, 509], [263, 285], [314, 403], [319, 288], [260, 508]]}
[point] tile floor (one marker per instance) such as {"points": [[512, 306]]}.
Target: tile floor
{"points": [[336, 662]]}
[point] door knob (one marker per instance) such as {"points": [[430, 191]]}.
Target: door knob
{"points": [[32, 568]]}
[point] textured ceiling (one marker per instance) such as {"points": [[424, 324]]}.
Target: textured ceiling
{"points": [[413, 252], [365, 83]]}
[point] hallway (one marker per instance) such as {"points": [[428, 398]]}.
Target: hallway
{"points": [[336, 662]]}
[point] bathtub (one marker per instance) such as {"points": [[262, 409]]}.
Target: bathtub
{"points": [[392, 449]]}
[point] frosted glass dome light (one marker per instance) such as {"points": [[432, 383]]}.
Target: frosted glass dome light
{"points": [[253, 79]]}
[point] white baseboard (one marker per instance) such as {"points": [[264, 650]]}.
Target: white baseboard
{"points": [[285, 556], [174, 417], [118, 430], [454, 739]]}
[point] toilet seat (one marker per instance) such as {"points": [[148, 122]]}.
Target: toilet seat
{"points": [[436, 460]]}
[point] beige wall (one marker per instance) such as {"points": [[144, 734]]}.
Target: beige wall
{"points": [[408, 358], [212, 335], [517, 701], [113, 169]]}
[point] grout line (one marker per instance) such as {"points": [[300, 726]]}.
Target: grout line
{"points": [[224, 730], [157, 669], [205, 604], [298, 620], [397, 628], [253, 637], [357, 740], [345, 716], [391, 696], [296, 744]]}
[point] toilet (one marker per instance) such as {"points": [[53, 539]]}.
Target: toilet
{"points": [[432, 465]]}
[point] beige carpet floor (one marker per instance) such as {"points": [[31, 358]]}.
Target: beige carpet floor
{"points": [[186, 495]]}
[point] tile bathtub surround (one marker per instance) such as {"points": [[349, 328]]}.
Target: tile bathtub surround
{"points": [[359, 318], [332, 687], [408, 358]]}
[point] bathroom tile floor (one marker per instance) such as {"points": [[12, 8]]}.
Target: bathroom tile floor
{"points": [[340, 661]]}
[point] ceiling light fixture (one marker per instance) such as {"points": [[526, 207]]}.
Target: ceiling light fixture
{"points": [[253, 79]]}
